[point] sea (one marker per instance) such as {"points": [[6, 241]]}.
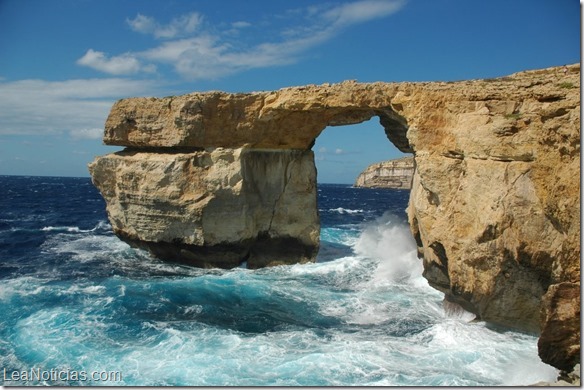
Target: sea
{"points": [[78, 306]]}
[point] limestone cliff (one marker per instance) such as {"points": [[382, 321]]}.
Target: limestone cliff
{"points": [[214, 208], [214, 179], [388, 174]]}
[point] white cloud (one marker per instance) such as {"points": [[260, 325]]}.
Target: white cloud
{"points": [[211, 54], [142, 24], [93, 133], [193, 58], [74, 107], [181, 26], [323, 151], [361, 11], [119, 65], [240, 24]]}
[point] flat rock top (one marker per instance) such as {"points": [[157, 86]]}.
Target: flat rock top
{"points": [[291, 118]]}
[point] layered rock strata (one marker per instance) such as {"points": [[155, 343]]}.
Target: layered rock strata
{"points": [[214, 179], [388, 174], [215, 208]]}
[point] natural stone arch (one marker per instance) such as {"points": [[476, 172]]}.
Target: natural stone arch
{"points": [[494, 230], [286, 119], [228, 153]]}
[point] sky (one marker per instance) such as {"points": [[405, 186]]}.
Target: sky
{"points": [[63, 63]]}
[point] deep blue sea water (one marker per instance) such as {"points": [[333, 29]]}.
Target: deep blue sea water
{"points": [[76, 300]]}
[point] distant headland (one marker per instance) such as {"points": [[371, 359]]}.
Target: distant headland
{"points": [[396, 174]]}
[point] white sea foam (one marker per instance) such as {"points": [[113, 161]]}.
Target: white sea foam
{"points": [[101, 225], [443, 351], [342, 210], [85, 248], [455, 311], [94, 246], [71, 229], [339, 266], [22, 286], [390, 242], [97, 290]]}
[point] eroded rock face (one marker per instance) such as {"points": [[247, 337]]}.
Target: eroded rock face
{"points": [[559, 342], [214, 208], [213, 179], [388, 174], [495, 201]]}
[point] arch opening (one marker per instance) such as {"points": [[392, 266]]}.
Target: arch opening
{"points": [[352, 141], [395, 125]]}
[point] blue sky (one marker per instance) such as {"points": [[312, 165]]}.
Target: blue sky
{"points": [[64, 62]]}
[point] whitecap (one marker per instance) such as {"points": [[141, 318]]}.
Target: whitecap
{"points": [[71, 229], [101, 225], [342, 210], [93, 290], [21, 286]]}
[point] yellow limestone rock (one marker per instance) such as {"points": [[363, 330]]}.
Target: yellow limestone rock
{"points": [[214, 208], [395, 174], [213, 179]]}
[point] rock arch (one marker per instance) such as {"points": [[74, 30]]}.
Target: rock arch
{"points": [[213, 179], [290, 118], [216, 179]]}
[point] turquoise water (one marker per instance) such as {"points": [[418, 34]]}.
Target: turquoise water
{"points": [[75, 298]]}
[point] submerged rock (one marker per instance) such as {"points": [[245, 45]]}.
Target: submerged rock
{"points": [[214, 179]]}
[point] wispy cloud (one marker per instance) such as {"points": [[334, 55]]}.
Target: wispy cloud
{"points": [[178, 27], [197, 50], [324, 154], [73, 107], [94, 133], [240, 24], [360, 12]]}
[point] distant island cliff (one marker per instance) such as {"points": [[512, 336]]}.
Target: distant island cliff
{"points": [[388, 174]]}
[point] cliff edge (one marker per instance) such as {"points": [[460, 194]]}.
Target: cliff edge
{"points": [[388, 174], [216, 179]]}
